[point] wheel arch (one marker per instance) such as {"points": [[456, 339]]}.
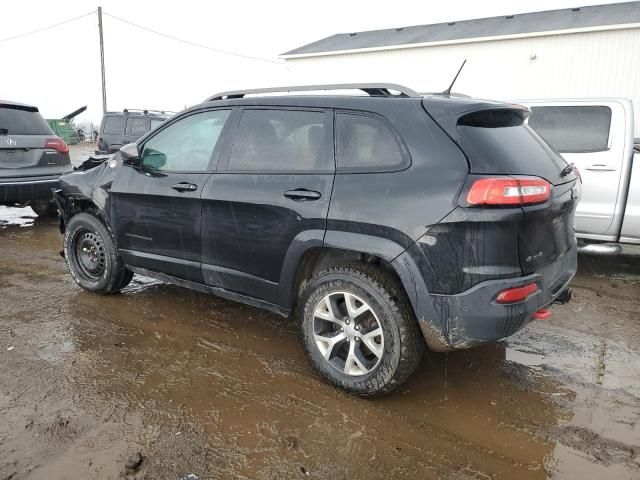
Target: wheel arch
{"points": [[311, 250], [69, 206]]}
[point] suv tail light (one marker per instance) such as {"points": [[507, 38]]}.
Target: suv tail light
{"points": [[57, 144], [517, 294], [509, 191]]}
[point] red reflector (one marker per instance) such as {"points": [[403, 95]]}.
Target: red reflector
{"points": [[542, 314], [509, 191], [57, 144], [517, 294]]}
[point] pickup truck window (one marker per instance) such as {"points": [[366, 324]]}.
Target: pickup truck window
{"points": [[113, 125], [573, 129]]}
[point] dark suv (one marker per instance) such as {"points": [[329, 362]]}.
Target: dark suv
{"points": [[120, 128], [32, 158], [380, 221]]}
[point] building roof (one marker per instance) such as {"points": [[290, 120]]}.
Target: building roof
{"points": [[596, 16]]}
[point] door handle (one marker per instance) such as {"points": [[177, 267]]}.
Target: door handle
{"points": [[185, 187], [600, 167], [301, 194]]}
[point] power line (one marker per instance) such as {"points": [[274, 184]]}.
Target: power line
{"points": [[194, 44], [14, 37]]}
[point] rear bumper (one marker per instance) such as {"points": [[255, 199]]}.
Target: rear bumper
{"points": [[474, 317], [25, 189]]}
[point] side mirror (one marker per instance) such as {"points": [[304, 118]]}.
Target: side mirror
{"points": [[130, 155]]}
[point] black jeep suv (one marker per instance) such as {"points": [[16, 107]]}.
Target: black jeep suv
{"points": [[380, 221]]}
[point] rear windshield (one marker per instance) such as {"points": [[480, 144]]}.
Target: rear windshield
{"points": [[15, 121], [573, 129], [499, 142]]}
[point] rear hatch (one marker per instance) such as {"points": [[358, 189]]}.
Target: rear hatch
{"points": [[28, 147], [498, 143]]}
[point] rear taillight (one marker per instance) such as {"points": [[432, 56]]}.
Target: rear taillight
{"points": [[517, 294], [509, 191], [57, 144]]}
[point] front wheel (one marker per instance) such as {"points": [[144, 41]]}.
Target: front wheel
{"points": [[359, 330], [91, 256]]}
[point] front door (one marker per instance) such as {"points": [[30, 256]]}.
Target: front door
{"points": [[273, 185], [156, 210]]}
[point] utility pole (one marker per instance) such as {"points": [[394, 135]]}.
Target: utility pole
{"points": [[104, 88]]}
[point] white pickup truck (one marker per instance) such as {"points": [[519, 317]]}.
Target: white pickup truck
{"points": [[597, 136]]}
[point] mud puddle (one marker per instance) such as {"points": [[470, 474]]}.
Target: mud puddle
{"points": [[200, 385]]}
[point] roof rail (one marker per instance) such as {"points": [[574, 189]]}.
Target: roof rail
{"points": [[146, 111], [373, 89]]}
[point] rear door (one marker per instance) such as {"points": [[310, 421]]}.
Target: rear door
{"points": [[111, 132], [591, 136], [499, 142], [156, 210], [273, 185]]}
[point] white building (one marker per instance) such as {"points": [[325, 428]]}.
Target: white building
{"points": [[579, 52]]}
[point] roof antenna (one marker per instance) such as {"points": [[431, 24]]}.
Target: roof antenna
{"points": [[448, 90]]}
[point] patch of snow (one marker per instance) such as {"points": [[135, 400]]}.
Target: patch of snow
{"points": [[22, 217]]}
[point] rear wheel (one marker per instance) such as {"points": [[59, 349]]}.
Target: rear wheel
{"points": [[44, 208], [91, 256], [359, 330]]}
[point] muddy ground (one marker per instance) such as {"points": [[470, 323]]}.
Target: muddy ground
{"points": [[199, 385]]}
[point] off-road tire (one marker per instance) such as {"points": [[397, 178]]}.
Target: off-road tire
{"points": [[115, 276], [403, 341], [44, 209]]}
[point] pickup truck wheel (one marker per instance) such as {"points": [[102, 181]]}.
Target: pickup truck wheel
{"points": [[91, 256], [359, 330]]}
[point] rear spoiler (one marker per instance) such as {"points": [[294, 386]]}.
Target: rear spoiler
{"points": [[449, 111], [18, 106]]}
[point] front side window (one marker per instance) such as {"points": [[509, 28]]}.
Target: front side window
{"points": [[280, 140], [366, 142], [186, 145], [573, 129], [113, 125], [136, 126]]}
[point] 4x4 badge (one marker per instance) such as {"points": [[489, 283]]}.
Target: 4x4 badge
{"points": [[11, 141]]}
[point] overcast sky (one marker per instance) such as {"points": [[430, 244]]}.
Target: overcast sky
{"points": [[59, 69]]}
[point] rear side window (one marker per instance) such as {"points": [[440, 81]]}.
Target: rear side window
{"points": [[136, 126], [280, 140], [113, 125], [366, 142], [573, 129], [23, 122]]}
